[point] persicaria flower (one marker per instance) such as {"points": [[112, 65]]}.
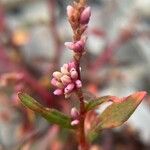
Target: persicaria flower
{"points": [[85, 16], [77, 47], [70, 11], [66, 80]]}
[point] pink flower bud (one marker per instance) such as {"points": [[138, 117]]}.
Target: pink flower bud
{"points": [[59, 85], [70, 45], [74, 112], [65, 79], [79, 46], [54, 81], [76, 46], [78, 84], [57, 75], [58, 92], [85, 15], [65, 66], [64, 70], [69, 88], [72, 65], [74, 122], [73, 73], [70, 11]]}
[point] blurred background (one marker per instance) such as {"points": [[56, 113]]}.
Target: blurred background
{"points": [[32, 36]]}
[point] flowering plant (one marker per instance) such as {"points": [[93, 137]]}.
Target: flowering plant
{"points": [[83, 120]]}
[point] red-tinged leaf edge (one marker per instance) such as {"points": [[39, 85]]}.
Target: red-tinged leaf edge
{"points": [[117, 113]]}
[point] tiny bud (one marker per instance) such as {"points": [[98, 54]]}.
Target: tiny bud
{"points": [[65, 79], [54, 81], [65, 66], [69, 88], [70, 45], [57, 75], [74, 112], [59, 85], [78, 84], [58, 92], [72, 65], [79, 46], [70, 11], [74, 122], [74, 73], [64, 70], [85, 15]]}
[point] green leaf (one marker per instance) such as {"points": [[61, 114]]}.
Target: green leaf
{"points": [[117, 113], [96, 102], [52, 115]]}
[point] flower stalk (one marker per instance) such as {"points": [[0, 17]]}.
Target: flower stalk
{"points": [[69, 79]]}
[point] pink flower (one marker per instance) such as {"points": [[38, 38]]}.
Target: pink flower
{"points": [[58, 92], [78, 84], [74, 73], [69, 88], [85, 16], [66, 81], [75, 122], [57, 75], [74, 112], [77, 47], [71, 65], [70, 11], [53, 82]]}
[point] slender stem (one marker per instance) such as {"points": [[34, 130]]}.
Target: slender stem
{"points": [[77, 30], [83, 145]]}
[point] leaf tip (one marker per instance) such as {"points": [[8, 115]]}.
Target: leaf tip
{"points": [[140, 95]]}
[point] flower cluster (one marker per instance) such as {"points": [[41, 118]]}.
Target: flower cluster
{"points": [[78, 17], [66, 80]]}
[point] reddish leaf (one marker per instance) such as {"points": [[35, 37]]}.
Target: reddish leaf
{"points": [[117, 113]]}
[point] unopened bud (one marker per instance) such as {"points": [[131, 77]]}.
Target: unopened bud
{"points": [[54, 81], [74, 112], [70, 45], [59, 85], [78, 84], [85, 15], [74, 122], [79, 46], [74, 73], [58, 92], [72, 65], [57, 75], [69, 88], [65, 79], [64, 69], [70, 11]]}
